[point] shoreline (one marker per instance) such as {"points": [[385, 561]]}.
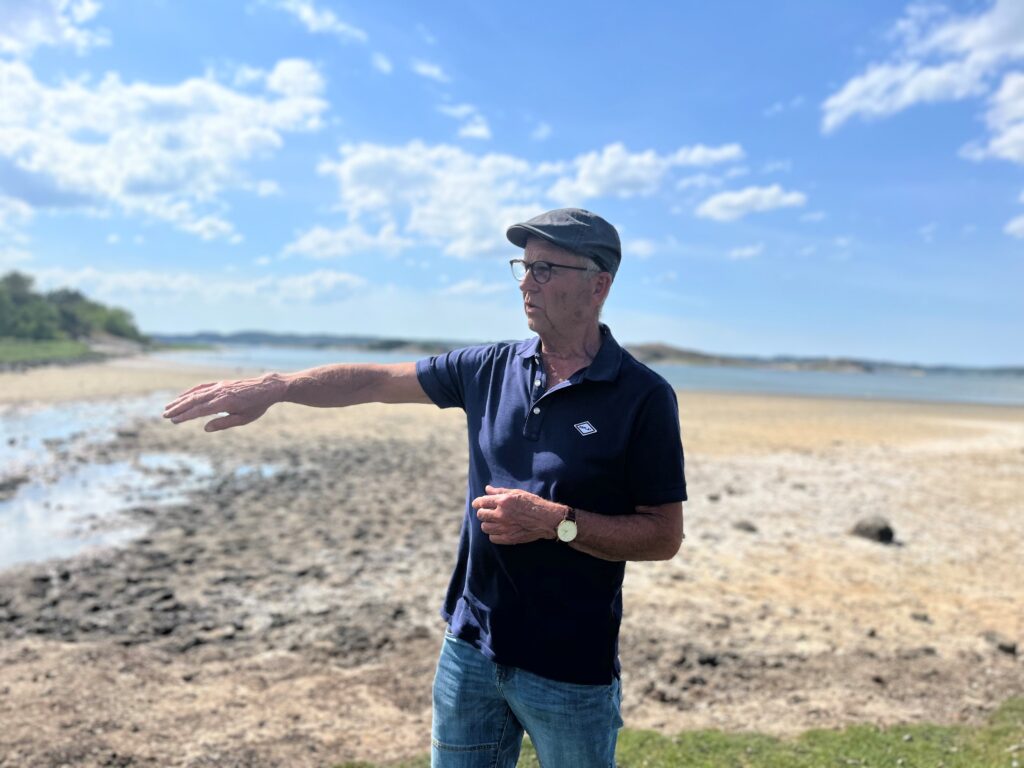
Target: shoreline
{"points": [[290, 617], [147, 374]]}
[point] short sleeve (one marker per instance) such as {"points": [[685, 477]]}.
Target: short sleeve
{"points": [[447, 378], [654, 462]]}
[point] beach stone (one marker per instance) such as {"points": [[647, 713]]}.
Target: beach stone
{"points": [[745, 525], [1001, 642], [874, 528], [9, 486]]}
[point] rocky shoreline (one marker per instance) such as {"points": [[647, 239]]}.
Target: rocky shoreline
{"points": [[285, 611]]}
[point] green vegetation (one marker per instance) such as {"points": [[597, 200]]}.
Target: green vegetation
{"points": [[18, 351], [999, 744], [61, 314], [51, 327]]}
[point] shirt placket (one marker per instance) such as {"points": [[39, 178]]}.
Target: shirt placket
{"points": [[538, 393]]}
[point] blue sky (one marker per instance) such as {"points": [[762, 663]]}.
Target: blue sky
{"points": [[789, 177]]}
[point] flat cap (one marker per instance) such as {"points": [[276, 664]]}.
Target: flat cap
{"points": [[575, 230]]}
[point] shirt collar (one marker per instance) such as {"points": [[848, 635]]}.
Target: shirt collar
{"points": [[604, 366]]}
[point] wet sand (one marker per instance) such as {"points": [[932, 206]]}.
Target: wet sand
{"points": [[290, 618]]}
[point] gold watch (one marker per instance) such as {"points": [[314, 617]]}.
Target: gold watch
{"points": [[567, 528]]}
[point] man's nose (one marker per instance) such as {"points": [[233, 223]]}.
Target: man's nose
{"points": [[529, 282]]}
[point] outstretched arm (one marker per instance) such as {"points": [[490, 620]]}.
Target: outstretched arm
{"points": [[329, 386]]}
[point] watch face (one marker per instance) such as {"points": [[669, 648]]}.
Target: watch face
{"points": [[566, 531]]}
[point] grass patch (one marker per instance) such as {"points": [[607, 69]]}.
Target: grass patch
{"points": [[23, 352], [994, 745]]}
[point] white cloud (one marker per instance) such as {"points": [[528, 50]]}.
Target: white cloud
{"points": [[1015, 227], [441, 195], [700, 154], [746, 252], [1005, 120], [475, 287], [699, 181], [889, 88], [266, 188], [458, 202], [245, 75], [165, 151], [427, 36], [323, 243], [813, 216], [28, 24], [641, 248], [136, 287], [458, 111], [474, 124], [729, 206], [475, 128], [13, 213], [617, 171], [321, 20], [541, 132], [13, 258], [842, 241], [777, 166], [429, 70], [942, 58], [295, 78], [778, 107], [927, 232], [382, 63]]}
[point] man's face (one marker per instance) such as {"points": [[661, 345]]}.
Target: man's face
{"points": [[570, 299]]}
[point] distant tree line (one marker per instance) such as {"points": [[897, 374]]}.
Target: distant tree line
{"points": [[60, 314]]}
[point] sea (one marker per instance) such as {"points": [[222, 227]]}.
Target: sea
{"points": [[961, 387]]}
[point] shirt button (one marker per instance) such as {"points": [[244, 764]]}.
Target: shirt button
{"points": [[536, 383], [536, 410]]}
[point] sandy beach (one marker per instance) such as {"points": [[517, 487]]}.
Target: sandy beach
{"points": [[288, 617]]}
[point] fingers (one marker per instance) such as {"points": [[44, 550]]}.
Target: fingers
{"points": [[231, 420], [185, 397], [493, 489], [195, 410], [484, 502]]}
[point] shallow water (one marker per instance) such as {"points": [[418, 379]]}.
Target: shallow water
{"points": [[31, 435], [80, 509], [967, 387]]}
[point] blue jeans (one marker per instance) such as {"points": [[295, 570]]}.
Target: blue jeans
{"points": [[481, 709]]}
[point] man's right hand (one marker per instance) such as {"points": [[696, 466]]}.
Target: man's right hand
{"points": [[243, 401]]}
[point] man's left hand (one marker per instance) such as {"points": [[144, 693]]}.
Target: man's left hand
{"points": [[510, 516]]}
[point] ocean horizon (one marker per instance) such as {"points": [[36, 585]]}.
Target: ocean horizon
{"points": [[980, 387]]}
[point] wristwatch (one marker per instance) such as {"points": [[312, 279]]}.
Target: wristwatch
{"points": [[567, 528]]}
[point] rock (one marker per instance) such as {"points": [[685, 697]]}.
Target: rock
{"points": [[9, 486], [745, 525], [924, 618], [874, 528], [1001, 642]]}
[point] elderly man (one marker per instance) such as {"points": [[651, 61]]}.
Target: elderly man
{"points": [[575, 466]]}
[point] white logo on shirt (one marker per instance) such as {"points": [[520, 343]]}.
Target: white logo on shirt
{"points": [[585, 428]]}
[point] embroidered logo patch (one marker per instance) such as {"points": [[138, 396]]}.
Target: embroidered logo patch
{"points": [[585, 428]]}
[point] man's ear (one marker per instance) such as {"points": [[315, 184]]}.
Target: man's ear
{"points": [[602, 284]]}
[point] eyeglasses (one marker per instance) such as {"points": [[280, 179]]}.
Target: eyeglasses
{"points": [[541, 269]]}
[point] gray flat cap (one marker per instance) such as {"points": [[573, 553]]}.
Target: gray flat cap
{"points": [[575, 230]]}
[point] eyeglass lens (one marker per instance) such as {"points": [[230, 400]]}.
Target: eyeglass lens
{"points": [[541, 270]]}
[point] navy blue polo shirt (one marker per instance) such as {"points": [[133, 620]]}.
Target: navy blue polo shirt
{"points": [[605, 441]]}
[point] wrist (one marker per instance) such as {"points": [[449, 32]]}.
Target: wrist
{"points": [[279, 384], [567, 530]]}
